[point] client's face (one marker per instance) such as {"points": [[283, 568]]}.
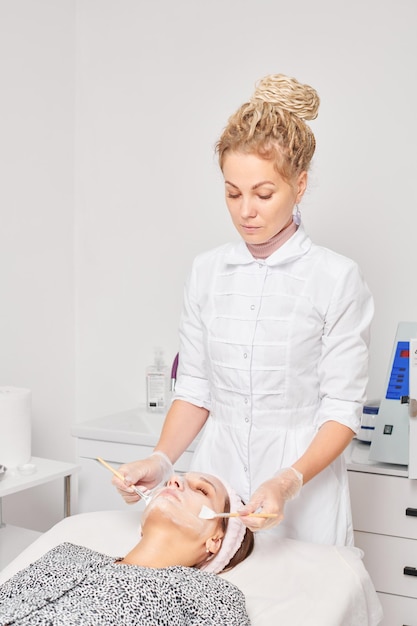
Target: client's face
{"points": [[183, 497]]}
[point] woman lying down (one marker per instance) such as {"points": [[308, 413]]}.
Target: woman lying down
{"points": [[168, 578]]}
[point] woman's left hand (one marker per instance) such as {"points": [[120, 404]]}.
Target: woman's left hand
{"points": [[270, 498]]}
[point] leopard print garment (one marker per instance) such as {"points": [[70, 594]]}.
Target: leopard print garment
{"points": [[75, 586]]}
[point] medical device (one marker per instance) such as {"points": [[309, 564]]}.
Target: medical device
{"points": [[395, 436]]}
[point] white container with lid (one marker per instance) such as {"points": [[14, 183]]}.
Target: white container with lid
{"points": [[369, 415]]}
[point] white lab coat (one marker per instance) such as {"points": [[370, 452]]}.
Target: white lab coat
{"points": [[273, 349]]}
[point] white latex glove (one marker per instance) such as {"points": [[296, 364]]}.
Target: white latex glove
{"points": [[146, 474], [270, 497]]}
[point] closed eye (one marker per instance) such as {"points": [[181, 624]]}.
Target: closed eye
{"points": [[201, 484]]}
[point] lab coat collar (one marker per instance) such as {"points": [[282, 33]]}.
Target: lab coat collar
{"points": [[298, 245]]}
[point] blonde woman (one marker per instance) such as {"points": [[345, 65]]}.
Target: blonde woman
{"points": [[274, 336]]}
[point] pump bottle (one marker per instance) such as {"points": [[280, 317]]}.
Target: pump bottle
{"points": [[157, 384]]}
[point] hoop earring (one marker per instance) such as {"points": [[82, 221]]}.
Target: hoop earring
{"points": [[296, 217]]}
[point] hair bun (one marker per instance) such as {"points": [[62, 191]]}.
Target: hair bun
{"points": [[288, 94]]}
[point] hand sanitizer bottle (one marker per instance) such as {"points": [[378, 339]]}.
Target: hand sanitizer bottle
{"points": [[157, 384]]}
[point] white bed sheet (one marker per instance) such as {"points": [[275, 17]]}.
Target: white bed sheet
{"points": [[284, 581]]}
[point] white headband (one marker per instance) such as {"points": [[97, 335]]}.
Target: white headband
{"points": [[233, 537]]}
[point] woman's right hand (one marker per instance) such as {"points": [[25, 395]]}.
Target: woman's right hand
{"points": [[146, 474]]}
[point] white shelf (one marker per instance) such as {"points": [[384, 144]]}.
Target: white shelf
{"points": [[136, 427], [357, 460], [14, 539], [45, 471]]}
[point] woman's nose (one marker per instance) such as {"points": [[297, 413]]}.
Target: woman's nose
{"points": [[247, 208], [176, 481]]}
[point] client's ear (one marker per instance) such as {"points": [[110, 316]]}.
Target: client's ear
{"points": [[213, 544]]}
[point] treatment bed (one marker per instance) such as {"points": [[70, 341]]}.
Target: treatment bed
{"points": [[284, 581]]}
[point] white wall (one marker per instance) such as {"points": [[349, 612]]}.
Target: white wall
{"points": [[37, 332], [154, 84]]}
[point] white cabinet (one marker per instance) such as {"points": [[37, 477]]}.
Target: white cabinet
{"points": [[40, 471], [384, 508], [118, 439]]}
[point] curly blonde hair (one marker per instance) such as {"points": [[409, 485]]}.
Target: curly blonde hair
{"points": [[271, 125]]}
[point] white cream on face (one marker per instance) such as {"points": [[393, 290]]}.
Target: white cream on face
{"points": [[166, 502]]}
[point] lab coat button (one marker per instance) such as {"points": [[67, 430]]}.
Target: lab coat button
{"points": [[245, 355], [246, 400], [245, 468], [252, 307], [246, 419]]}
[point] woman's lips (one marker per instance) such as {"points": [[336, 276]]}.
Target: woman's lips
{"points": [[167, 492], [250, 229]]}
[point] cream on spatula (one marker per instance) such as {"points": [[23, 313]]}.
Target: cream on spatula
{"points": [[207, 513]]}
